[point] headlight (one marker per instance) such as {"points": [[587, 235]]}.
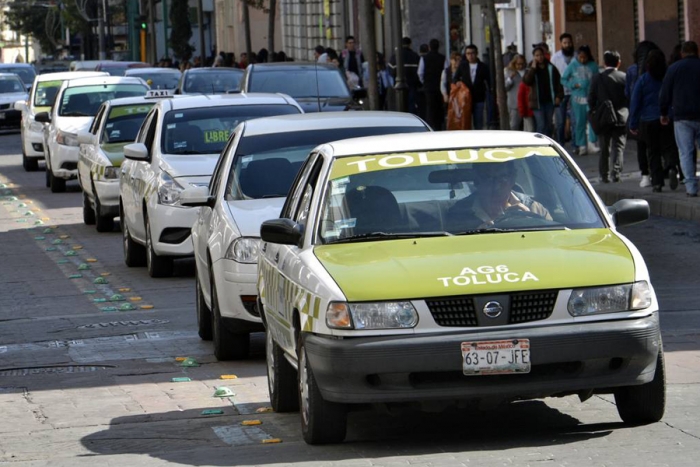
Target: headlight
{"points": [[379, 315], [168, 190], [36, 127], [111, 173], [67, 139], [244, 250], [611, 299]]}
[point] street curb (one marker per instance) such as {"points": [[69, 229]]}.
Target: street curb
{"points": [[671, 204]]}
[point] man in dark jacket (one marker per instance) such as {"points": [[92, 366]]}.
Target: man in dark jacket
{"points": [[429, 72], [610, 85], [475, 75], [680, 92], [410, 63]]}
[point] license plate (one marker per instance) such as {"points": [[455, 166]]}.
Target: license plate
{"points": [[496, 357]]}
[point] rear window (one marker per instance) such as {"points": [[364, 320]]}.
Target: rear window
{"points": [[123, 122], [159, 80], [206, 130], [84, 101], [300, 83], [213, 82], [26, 74], [11, 85], [45, 93], [265, 165]]}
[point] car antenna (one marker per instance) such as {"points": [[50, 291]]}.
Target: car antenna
{"points": [[318, 91]]}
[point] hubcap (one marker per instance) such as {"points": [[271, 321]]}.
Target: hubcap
{"points": [[149, 248], [304, 387], [125, 237], [269, 346]]}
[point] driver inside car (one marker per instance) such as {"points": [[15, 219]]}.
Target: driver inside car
{"points": [[496, 197]]}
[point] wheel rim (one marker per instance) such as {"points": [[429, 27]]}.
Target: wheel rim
{"points": [[149, 248], [270, 354], [304, 387], [125, 238]]}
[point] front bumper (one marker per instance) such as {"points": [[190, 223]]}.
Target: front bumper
{"points": [[566, 359], [171, 229], [107, 192], [11, 118], [64, 161], [234, 280], [33, 142]]}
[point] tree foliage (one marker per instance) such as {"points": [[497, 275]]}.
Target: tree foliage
{"points": [[181, 30], [30, 20]]}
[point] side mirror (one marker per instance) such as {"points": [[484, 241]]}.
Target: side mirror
{"points": [[197, 196], [136, 152], [629, 211], [281, 231], [177, 91], [359, 93], [85, 137], [42, 117], [21, 106]]}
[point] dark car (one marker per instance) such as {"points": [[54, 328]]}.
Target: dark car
{"points": [[316, 87], [157, 78], [119, 68], [219, 80], [25, 72]]}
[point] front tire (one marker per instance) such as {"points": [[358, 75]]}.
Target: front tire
{"points": [[88, 212], [646, 403], [29, 164], [58, 185], [281, 377], [158, 266], [103, 223], [227, 345], [322, 422], [134, 254], [203, 312]]}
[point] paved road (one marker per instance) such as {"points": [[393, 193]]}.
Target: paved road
{"points": [[83, 384]]}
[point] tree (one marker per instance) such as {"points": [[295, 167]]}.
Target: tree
{"points": [[501, 97], [31, 20], [181, 30]]}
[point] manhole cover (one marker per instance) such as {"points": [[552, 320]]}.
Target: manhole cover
{"points": [[114, 324], [52, 370]]}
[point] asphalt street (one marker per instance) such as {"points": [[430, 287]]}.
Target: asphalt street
{"points": [[90, 370]]}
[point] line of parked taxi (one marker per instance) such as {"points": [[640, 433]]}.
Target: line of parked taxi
{"points": [[385, 263]]}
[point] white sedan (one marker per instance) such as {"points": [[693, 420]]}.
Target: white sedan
{"points": [[177, 147], [248, 187], [42, 97], [73, 111], [102, 153]]}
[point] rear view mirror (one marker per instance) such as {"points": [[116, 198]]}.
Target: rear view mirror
{"points": [[42, 117], [136, 152], [629, 211], [359, 93]]}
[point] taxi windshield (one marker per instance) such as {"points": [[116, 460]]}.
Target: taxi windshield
{"points": [[84, 101], [45, 93], [265, 165], [456, 192], [206, 131], [11, 85], [123, 123]]}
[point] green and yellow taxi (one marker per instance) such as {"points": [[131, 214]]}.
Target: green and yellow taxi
{"points": [[453, 267], [101, 155]]}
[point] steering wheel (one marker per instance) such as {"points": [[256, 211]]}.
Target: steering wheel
{"points": [[517, 213]]}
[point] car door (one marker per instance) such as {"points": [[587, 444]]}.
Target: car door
{"points": [[90, 152], [144, 176]]}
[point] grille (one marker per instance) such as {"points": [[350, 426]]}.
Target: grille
{"points": [[532, 306], [455, 311], [4, 106]]}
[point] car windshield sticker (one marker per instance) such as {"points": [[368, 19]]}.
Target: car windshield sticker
{"points": [[178, 115], [109, 125], [123, 110], [179, 144], [483, 275], [216, 136], [345, 166], [171, 126]]}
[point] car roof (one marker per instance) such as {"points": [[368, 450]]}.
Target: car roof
{"points": [[131, 101], [211, 70], [131, 71], [64, 75], [286, 66], [436, 141], [123, 64], [191, 101], [102, 80], [330, 121]]}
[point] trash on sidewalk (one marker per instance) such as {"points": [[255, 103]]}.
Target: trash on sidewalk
{"points": [[263, 409], [189, 362], [223, 391]]}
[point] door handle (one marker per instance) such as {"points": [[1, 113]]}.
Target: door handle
{"points": [[264, 247], [277, 257]]}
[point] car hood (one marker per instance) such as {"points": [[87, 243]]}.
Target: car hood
{"points": [[250, 214], [198, 165], [477, 264], [73, 124], [327, 104], [114, 152], [11, 98]]}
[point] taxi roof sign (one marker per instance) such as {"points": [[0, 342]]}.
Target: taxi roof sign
{"points": [[159, 93]]}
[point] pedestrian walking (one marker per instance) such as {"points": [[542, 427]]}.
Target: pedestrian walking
{"points": [[524, 109], [547, 92], [410, 63], [514, 73], [448, 75], [429, 72], [679, 91], [475, 76], [577, 79], [645, 123], [607, 95], [352, 61], [633, 72], [561, 59]]}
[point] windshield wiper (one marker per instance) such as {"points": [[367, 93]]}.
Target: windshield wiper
{"points": [[75, 114], [391, 236], [186, 152], [485, 230], [273, 196]]}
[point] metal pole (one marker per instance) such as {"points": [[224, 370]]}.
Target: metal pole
{"points": [[101, 30], [447, 32], [200, 24], [152, 30], [246, 24], [369, 45], [164, 5], [400, 86]]}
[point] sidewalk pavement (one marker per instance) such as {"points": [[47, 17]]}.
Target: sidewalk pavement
{"points": [[669, 203]]}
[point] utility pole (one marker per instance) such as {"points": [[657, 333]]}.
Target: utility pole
{"points": [[164, 6], [152, 30], [102, 55], [498, 56], [400, 86], [246, 24], [369, 46], [200, 24], [271, 29]]}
